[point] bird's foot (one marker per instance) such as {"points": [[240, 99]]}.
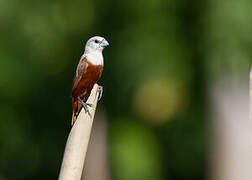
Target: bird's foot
{"points": [[100, 90], [85, 106]]}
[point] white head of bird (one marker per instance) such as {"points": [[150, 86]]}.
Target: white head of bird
{"points": [[96, 43], [94, 48]]}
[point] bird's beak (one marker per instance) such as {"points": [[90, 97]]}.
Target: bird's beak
{"points": [[104, 43]]}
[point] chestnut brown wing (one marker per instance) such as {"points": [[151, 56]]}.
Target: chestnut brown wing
{"points": [[79, 71]]}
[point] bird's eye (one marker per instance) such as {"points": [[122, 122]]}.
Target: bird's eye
{"points": [[96, 41]]}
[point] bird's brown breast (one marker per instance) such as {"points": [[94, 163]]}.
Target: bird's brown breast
{"points": [[89, 77]]}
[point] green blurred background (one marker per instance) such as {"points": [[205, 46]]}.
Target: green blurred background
{"points": [[161, 57]]}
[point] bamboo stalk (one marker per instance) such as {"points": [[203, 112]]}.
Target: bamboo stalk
{"points": [[77, 142]]}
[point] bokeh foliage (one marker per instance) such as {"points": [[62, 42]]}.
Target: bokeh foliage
{"points": [[161, 54]]}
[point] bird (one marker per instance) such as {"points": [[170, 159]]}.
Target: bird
{"points": [[88, 72]]}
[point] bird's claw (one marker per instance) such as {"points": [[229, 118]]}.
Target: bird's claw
{"points": [[100, 90], [85, 106], [90, 105]]}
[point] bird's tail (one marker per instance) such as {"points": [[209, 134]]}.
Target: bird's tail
{"points": [[73, 118], [76, 107]]}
